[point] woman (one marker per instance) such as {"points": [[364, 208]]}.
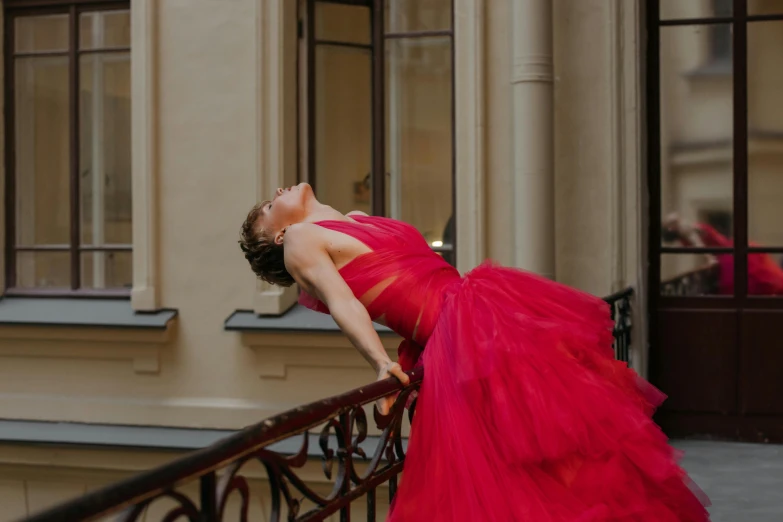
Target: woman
{"points": [[523, 413]]}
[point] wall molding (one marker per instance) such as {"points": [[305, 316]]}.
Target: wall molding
{"points": [[628, 211], [277, 352], [144, 158], [470, 132], [270, 132], [3, 172], [141, 347]]}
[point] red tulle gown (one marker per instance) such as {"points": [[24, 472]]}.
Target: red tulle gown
{"points": [[523, 414]]}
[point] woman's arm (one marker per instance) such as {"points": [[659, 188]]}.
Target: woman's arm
{"points": [[309, 263]]}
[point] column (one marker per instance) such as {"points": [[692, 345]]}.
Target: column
{"points": [[533, 136]]}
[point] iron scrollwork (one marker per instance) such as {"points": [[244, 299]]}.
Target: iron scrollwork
{"points": [[622, 315], [347, 430], [342, 441]]}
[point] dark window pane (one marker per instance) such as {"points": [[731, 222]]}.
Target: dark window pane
{"points": [[343, 127], [419, 135], [43, 270], [696, 132], [107, 270], [42, 151], [697, 275], [105, 154], [404, 16], [41, 33], [104, 30], [342, 23]]}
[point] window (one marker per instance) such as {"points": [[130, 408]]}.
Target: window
{"points": [[68, 165], [380, 110], [715, 147]]}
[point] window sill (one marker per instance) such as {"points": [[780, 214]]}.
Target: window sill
{"points": [[296, 320], [301, 338], [154, 438], [81, 328], [117, 293]]}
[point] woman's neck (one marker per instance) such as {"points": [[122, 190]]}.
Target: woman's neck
{"points": [[317, 211]]}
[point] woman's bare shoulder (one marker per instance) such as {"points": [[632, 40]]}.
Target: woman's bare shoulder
{"points": [[305, 245], [356, 213], [303, 233]]}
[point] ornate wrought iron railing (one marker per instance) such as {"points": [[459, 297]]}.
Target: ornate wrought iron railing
{"points": [[620, 309], [220, 468]]}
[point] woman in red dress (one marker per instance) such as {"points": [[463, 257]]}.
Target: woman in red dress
{"points": [[523, 413]]}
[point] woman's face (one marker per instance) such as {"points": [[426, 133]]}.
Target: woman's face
{"points": [[289, 206]]}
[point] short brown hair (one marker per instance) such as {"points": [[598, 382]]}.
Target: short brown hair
{"points": [[264, 255]]}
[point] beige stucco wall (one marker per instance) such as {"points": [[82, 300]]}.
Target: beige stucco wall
{"points": [[582, 144]]}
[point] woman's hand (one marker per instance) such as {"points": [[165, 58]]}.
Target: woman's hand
{"points": [[390, 369]]}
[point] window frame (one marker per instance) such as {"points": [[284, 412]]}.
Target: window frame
{"points": [[74, 9], [741, 248], [377, 47]]}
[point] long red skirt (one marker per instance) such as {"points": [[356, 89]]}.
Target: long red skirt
{"points": [[524, 415]]}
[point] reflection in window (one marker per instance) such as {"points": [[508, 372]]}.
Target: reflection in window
{"points": [[721, 220], [720, 34], [765, 274], [696, 131], [693, 275], [765, 133], [419, 142]]}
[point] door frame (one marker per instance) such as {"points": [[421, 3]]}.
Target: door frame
{"points": [[738, 424]]}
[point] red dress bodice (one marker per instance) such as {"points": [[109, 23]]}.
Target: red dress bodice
{"points": [[401, 281]]}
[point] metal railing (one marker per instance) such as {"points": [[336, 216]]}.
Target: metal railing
{"points": [[344, 427], [621, 312], [701, 281]]}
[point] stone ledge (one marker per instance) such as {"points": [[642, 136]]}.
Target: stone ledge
{"points": [[303, 338], [75, 312], [144, 437], [298, 319]]}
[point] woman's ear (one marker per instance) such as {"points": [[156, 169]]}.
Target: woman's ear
{"points": [[279, 236]]}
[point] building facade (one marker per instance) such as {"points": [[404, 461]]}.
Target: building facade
{"points": [[554, 136]]}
